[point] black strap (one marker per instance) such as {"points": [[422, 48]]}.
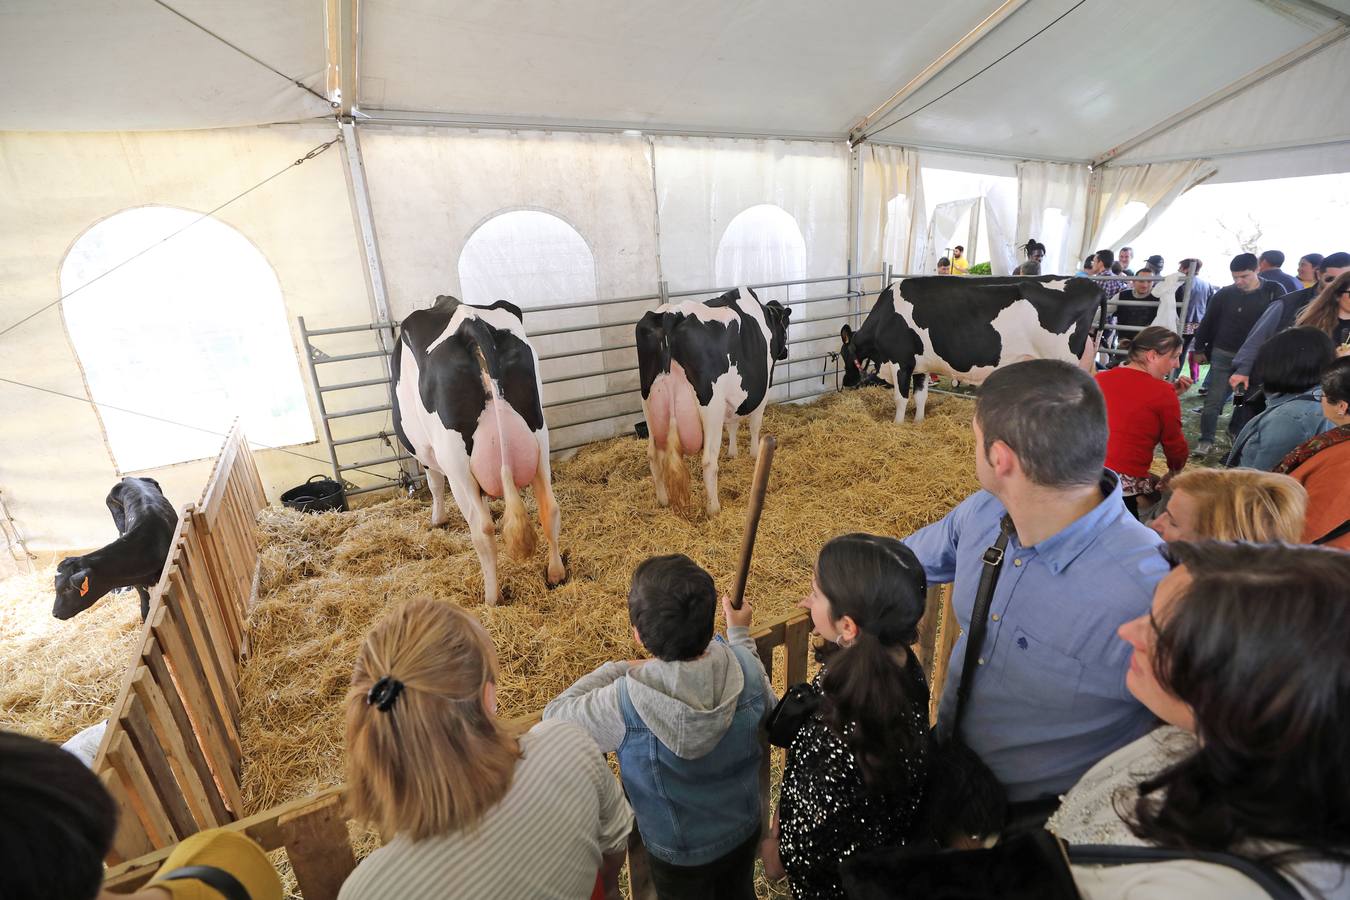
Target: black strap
{"points": [[1269, 879], [979, 621], [219, 880], [1334, 533]]}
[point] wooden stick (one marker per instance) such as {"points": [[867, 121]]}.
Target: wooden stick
{"points": [[763, 461]]}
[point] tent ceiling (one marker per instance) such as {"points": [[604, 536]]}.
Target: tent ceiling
{"points": [[133, 65], [1091, 75]]}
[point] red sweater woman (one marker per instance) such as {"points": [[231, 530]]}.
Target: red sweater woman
{"points": [[1143, 410]]}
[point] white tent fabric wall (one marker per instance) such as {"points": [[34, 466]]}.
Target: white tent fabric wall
{"points": [[433, 189], [1063, 187], [53, 187], [1000, 210], [893, 223], [944, 227], [703, 184], [1157, 186]]}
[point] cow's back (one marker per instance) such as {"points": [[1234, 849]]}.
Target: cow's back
{"points": [[970, 327]]}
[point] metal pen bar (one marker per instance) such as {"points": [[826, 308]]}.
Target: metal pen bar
{"points": [[358, 412], [576, 328], [318, 396], [374, 462], [354, 384], [592, 374], [369, 354], [1154, 304], [618, 415], [584, 304], [348, 329], [615, 393], [385, 487], [384, 435], [571, 353]]}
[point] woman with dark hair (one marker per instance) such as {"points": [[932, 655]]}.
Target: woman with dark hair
{"points": [[1330, 313], [1245, 657], [1322, 464], [1307, 268], [856, 768], [1290, 367], [1142, 411]]}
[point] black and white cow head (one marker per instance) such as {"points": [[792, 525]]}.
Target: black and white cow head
{"points": [[777, 315], [850, 357]]}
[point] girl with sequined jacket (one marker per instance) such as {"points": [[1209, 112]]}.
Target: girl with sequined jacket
{"points": [[856, 769]]}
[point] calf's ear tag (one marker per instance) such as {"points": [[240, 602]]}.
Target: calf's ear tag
{"points": [[84, 586]]}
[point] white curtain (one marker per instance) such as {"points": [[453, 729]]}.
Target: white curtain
{"points": [[1051, 207], [1156, 186], [752, 211], [1000, 209], [942, 231], [893, 226]]}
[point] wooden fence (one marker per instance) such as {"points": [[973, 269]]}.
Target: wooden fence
{"points": [[170, 756], [313, 830]]}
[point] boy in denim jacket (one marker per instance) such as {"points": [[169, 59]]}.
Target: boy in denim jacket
{"points": [[686, 728]]}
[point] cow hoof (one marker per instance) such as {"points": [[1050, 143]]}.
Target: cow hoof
{"points": [[714, 509], [556, 577], [440, 523]]}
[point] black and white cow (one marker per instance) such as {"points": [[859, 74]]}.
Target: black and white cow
{"points": [[968, 327], [705, 365], [467, 405], [146, 522]]}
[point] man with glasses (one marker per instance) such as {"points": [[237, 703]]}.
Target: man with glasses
{"points": [[1281, 315]]}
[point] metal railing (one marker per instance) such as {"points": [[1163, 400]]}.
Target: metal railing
{"points": [[344, 450], [347, 453]]}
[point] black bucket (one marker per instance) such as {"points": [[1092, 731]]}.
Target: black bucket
{"points": [[319, 494]]}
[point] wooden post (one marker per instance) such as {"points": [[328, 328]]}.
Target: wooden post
{"points": [[318, 848], [763, 462]]}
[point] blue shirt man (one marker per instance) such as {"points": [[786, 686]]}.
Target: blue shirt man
{"points": [[1049, 698]]}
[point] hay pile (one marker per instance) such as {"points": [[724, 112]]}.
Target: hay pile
{"points": [[59, 677], [842, 465]]}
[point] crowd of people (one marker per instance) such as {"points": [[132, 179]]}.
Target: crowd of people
{"points": [[1172, 695]]}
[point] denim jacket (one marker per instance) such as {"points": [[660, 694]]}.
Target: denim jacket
{"points": [[1288, 420], [694, 811]]}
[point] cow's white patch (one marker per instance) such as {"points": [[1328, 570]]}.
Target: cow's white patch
{"points": [[1059, 284], [500, 319], [1021, 336]]}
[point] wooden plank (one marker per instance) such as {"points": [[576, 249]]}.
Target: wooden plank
{"points": [[928, 628], [213, 494], [318, 848], [203, 609], [174, 745], [261, 827], [209, 589], [156, 764], [130, 840], [186, 613], [948, 629], [797, 642], [143, 800], [196, 753], [211, 729]]}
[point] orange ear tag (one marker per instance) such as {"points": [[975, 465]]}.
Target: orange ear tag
{"points": [[84, 586]]}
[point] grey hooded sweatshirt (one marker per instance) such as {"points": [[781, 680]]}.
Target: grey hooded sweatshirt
{"points": [[688, 705]]}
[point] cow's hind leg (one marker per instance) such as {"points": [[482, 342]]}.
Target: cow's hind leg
{"points": [[713, 415], [920, 396], [436, 484], [550, 519], [469, 498], [655, 453], [145, 602], [900, 386], [733, 427]]}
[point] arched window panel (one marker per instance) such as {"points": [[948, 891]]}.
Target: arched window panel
{"points": [[182, 339], [763, 243], [534, 259]]}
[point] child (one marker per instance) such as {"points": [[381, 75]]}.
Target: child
{"points": [[685, 726]]}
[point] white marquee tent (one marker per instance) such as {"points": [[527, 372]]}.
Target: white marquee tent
{"points": [[638, 147]]}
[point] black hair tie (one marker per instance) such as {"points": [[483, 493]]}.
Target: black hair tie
{"points": [[384, 692]]}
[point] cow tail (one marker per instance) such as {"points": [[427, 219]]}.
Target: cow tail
{"points": [[673, 472], [517, 532]]}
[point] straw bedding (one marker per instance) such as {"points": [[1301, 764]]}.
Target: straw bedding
{"points": [[59, 677], [842, 465]]}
